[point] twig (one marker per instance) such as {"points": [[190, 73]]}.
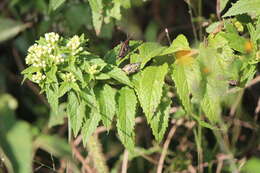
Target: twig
{"points": [[253, 81], [191, 20], [81, 158], [218, 9], [165, 148], [125, 160]]}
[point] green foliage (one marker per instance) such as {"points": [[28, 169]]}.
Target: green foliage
{"points": [[159, 122], [149, 89], [126, 117], [88, 88], [244, 6], [107, 103]]}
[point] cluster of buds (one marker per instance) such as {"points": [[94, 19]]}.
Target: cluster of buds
{"points": [[38, 77], [68, 77], [52, 37], [93, 69], [57, 59], [38, 53], [74, 45]]}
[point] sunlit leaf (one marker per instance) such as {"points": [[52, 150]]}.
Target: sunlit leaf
{"points": [[148, 85], [107, 103], [126, 116]]}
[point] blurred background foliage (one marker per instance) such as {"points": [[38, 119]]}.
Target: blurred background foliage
{"points": [[25, 139]]}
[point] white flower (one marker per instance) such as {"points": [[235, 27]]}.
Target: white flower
{"points": [[69, 77], [52, 37], [38, 77]]}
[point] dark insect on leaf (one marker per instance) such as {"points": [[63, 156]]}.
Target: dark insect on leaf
{"points": [[131, 68], [124, 48]]}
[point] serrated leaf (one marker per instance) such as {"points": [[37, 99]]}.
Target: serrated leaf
{"points": [[236, 42], [149, 50], [10, 28], [126, 117], [148, 85], [159, 122], [107, 104], [119, 75], [76, 112], [97, 17], [90, 125], [59, 118], [54, 4], [64, 88], [30, 70], [180, 78], [51, 75], [53, 98], [180, 43], [211, 108], [244, 6]]}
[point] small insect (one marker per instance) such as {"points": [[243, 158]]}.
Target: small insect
{"points": [[124, 48], [131, 68]]}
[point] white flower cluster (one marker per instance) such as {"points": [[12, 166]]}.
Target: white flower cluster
{"points": [[57, 59], [74, 45], [52, 37], [38, 77], [69, 77], [39, 53]]}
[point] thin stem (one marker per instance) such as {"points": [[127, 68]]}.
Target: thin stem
{"points": [[125, 160], [165, 148], [199, 16], [191, 20]]}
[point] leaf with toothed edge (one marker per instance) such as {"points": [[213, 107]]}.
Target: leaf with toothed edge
{"points": [[148, 86]]}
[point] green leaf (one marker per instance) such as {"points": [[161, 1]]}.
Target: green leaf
{"points": [[59, 118], [76, 112], [64, 88], [180, 43], [119, 75], [149, 50], [97, 17], [53, 98], [159, 122], [236, 42], [126, 117], [180, 78], [107, 104], [16, 143], [252, 165], [211, 107], [244, 6], [10, 28], [90, 125], [51, 75], [223, 4], [148, 85], [54, 4], [30, 70]]}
